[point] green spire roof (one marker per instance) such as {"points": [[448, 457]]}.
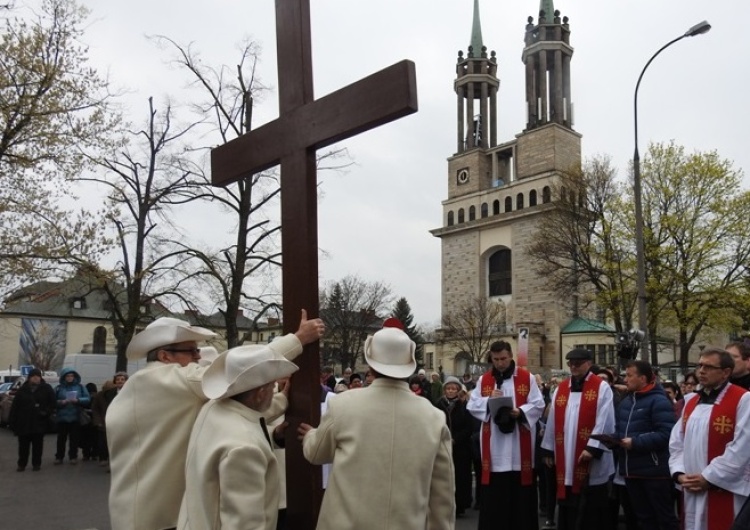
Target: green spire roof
{"points": [[548, 6], [476, 32]]}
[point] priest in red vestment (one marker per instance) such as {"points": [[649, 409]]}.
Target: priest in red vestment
{"points": [[508, 496]]}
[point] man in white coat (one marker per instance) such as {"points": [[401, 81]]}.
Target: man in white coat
{"points": [[581, 406], [390, 449], [710, 446], [232, 474], [508, 497], [149, 423]]}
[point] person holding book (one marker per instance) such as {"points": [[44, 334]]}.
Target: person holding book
{"points": [[71, 396], [508, 494], [581, 407]]}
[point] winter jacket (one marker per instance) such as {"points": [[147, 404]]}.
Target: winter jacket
{"points": [[70, 412], [647, 417], [31, 409]]}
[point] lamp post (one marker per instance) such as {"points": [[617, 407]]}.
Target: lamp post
{"points": [[698, 29]]}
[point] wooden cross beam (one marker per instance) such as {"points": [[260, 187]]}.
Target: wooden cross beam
{"points": [[305, 125]]}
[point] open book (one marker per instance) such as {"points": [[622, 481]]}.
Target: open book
{"points": [[496, 403]]}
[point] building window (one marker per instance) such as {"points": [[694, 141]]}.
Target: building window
{"points": [[484, 209], [496, 207], [78, 303], [546, 195], [508, 204], [500, 273], [450, 218], [460, 215], [532, 198], [430, 361], [519, 201], [472, 213], [260, 337]]}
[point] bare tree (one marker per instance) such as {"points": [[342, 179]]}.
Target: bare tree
{"points": [[146, 178], [238, 275], [472, 326], [352, 308]]}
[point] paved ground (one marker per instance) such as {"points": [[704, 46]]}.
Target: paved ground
{"points": [[56, 497], [69, 497]]}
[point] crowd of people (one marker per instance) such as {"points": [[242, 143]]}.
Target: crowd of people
{"points": [[199, 445]]}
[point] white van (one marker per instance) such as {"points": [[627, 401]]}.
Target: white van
{"points": [[97, 368]]}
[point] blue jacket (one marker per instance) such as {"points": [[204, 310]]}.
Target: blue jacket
{"points": [[69, 412], [647, 418]]}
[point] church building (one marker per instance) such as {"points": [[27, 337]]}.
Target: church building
{"points": [[499, 190]]}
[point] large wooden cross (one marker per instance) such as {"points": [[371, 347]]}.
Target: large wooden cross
{"points": [[305, 125]]}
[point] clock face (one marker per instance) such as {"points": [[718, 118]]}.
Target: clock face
{"points": [[463, 176]]}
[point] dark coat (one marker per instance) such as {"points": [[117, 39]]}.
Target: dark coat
{"points": [[461, 424], [31, 409], [647, 418]]}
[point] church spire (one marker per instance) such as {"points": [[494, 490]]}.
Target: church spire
{"points": [[476, 87], [548, 6], [476, 32], [547, 57]]}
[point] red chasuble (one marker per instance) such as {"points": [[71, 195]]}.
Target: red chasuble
{"points": [[521, 387], [586, 422], [723, 418]]}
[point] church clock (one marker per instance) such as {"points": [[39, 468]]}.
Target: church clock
{"points": [[463, 176]]}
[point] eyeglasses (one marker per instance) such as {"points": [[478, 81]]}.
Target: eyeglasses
{"points": [[577, 363], [702, 366], [190, 351]]}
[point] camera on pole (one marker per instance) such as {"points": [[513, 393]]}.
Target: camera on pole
{"points": [[629, 343]]}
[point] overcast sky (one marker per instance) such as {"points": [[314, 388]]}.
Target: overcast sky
{"points": [[374, 221]]}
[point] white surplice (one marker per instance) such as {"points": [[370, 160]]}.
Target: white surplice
{"points": [[688, 453], [601, 468], [505, 449]]}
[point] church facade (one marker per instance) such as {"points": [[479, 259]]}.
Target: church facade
{"points": [[499, 190]]}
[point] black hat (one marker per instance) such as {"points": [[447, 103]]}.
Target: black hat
{"points": [[579, 354], [504, 421]]}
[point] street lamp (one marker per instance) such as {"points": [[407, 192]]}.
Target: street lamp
{"points": [[698, 29]]}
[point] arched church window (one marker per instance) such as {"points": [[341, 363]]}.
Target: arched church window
{"points": [[472, 212], [508, 204], [450, 218], [460, 215], [532, 198], [519, 201], [546, 195], [484, 212], [496, 207], [499, 277], [100, 340]]}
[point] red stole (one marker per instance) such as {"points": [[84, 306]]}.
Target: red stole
{"points": [[723, 418], [521, 388], [586, 422]]}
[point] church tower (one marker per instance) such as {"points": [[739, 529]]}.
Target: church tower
{"points": [[497, 192]]}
